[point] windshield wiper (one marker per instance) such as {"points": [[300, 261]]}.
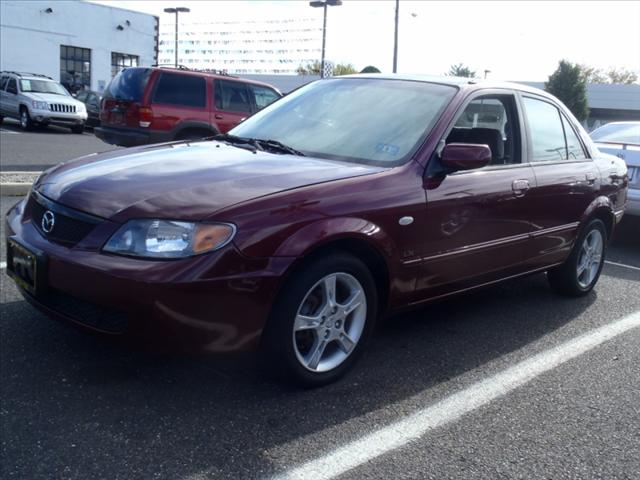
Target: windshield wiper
{"points": [[240, 142], [277, 146]]}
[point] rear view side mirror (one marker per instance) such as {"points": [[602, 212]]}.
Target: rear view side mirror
{"points": [[465, 156]]}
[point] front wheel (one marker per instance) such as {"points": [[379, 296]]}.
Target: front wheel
{"points": [[580, 272], [25, 120], [78, 128], [321, 320]]}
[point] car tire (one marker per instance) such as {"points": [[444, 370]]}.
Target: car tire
{"points": [[1, 120], [580, 272], [78, 128], [316, 332], [25, 120]]}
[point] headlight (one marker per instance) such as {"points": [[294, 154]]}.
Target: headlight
{"points": [[168, 238], [40, 105], [80, 108]]}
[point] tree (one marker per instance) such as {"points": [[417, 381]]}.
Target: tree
{"points": [[569, 84], [460, 70], [613, 75], [622, 75], [370, 69], [344, 69], [310, 69]]}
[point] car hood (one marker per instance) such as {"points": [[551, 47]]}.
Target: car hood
{"points": [[51, 98], [189, 181]]}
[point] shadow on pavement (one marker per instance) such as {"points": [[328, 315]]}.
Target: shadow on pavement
{"points": [[78, 407]]}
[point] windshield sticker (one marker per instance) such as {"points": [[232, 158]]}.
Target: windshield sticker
{"points": [[387, 148]]}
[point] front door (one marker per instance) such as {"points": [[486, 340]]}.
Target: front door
{"points": [[478, 221]]}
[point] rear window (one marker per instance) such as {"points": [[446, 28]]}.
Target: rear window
{"points": [[128, 85], [626, 133], [185, 90]]}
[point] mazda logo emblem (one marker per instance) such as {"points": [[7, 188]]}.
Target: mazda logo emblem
{"points": [[48, 221]]}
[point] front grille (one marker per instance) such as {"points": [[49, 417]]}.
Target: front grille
{"points": [[69, 226], [62, 107], [83, 312]]}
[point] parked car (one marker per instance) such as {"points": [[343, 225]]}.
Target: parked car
{"points": [[622, 139], [348, 199], [35, 99], [91, 102], [159, 104]]}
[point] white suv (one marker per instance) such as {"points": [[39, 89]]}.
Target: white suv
{"points": [[38, 100]]}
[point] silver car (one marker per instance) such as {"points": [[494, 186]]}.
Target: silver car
{"points": [[38, 100], [622, 139]]}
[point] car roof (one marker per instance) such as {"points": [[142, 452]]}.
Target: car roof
{"points": [[219, 75], [460, 82]]}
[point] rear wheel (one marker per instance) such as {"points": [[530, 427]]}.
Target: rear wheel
{"points": [[321, 321], [194, 135], [25, 119], [580, 272]]}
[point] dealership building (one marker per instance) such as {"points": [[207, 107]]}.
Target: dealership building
{"points": [[80, 44]]}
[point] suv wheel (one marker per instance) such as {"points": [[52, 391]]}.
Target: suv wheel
{"points": [[580, 272], [321, 320], [78, 128], [25, 119]]}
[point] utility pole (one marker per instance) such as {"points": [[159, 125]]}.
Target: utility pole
{"points": [[395, 39]]}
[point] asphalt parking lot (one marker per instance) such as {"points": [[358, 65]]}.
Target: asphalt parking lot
{"points": [[43, 147], [490, 385]]}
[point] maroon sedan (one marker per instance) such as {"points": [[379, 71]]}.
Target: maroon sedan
{"points": [[345, 200]]}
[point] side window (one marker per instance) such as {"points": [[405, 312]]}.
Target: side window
{"points": [[185, 90], [490, 120], [12, 86], [574, 147], [232, 96], [547, 134], [264, 96]]}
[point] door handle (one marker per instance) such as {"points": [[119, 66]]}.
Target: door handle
{"points": [[591, 177], [520, 187], [217, 116]]}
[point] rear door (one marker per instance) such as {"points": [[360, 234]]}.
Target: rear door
{"points": [[478, 221], [233, 103], [123, 96], [567, 179]]}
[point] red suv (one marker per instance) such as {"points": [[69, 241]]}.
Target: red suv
{"points": [[151, 105]]}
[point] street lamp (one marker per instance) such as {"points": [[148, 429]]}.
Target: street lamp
{"points": [[395, 39], [324, 4], [176, 11]]}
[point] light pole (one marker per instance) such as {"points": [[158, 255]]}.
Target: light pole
{"points": [[324, 4], [395, 40], [176, 11]]}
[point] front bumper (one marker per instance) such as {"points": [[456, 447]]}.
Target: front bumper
{"points": [[216, 302], [47, 117]]}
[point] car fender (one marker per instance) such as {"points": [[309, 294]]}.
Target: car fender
{"points": [[601, 204], [323, 232]]}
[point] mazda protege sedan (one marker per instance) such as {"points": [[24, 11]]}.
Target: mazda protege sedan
{"points": [[350, 198]]}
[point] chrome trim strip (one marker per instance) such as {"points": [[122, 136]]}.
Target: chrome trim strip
{"points": [[492, 244]]}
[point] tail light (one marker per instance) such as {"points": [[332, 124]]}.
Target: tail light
{"points": [[145, 116]]}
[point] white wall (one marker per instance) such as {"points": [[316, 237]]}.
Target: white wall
{"points": [[30, 38]]}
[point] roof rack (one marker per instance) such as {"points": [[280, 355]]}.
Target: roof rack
{"points": [[200, 70], [22, 74]]}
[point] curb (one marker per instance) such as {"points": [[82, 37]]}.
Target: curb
{"points": [[14, 189]]}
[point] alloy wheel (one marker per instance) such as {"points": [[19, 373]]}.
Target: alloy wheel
{"points": [[590, 258], [329, 322]]}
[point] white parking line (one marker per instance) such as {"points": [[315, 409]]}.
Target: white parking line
{"points": [[622, 265], [455, 406]]}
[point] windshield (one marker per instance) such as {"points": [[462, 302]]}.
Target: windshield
{"points": [[373, 121], [626, 133], [129, 84], [42, 86]]}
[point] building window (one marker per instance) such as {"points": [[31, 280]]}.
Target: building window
{"points": [[75, 68], [120, 61]]}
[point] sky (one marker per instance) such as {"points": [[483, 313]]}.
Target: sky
{"points": [[515, 40]]}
